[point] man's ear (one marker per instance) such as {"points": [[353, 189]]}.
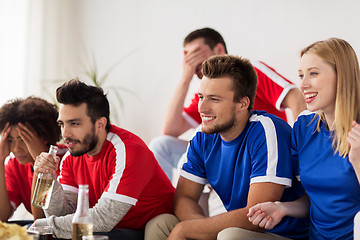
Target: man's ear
{"points": [[243, 104], [219, 49], [101, 123]]}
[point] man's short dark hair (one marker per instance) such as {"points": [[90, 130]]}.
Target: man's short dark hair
{"points": [[35, 112], [210, 36], [75, 92], [239, 69]]}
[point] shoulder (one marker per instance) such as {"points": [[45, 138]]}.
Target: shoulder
{"points": [[267, 127], [122, 134], [267, 120], [121, 138], [262, 67], [12, 162], [306, 118]]}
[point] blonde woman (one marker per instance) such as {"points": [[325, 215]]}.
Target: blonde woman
{"points": [[325, 144]]}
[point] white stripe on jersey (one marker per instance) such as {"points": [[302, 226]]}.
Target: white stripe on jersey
{"points": [[120, 198], [190, 120], [120, 161], [193, 177], [69, 188], [275, 78], [61, 165], [271, 142]]}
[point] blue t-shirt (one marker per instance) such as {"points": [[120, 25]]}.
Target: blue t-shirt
{"points": [[261, 153], [328, 179]]}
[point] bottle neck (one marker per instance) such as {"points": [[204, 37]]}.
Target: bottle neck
{"points": [[83, 200], [82, 213]]}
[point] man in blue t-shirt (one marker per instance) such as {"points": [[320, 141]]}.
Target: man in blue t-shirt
{"points": [[244, 155]]}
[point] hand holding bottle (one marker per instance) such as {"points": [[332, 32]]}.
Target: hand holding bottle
{"points": [[46, 163], [45, 180]]}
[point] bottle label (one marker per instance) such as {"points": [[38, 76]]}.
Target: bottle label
{"points": [[81, 229]]}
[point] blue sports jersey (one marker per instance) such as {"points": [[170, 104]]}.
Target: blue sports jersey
{"points": [[328, 179], [261, 153]]}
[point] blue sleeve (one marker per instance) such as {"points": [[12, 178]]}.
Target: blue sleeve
{"points": [[195, 160], [270, 152]]}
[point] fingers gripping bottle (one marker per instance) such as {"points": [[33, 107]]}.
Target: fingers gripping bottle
{"points": [[82, 224], [44, 185]]}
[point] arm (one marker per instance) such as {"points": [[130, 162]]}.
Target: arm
{"points": [[187, 195], [174, 122], [295, 101], [61, 202], [208, 228], [5, 206], [267, 215], [106, 214], [354, 140]]}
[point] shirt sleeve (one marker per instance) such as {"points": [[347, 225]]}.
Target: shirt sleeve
{"points": [[133, 169], [270, 151], [194, 168], [105, 215], [191, 113]]}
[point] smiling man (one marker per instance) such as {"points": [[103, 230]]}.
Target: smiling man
{"points": [[127, 187], [244, 155]]}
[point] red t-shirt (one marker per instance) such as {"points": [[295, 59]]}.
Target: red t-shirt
{"points": [[271, 91], [125, 170]]}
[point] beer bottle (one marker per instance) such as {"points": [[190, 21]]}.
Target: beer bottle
{"points": [[82, 224], [44, 185]]}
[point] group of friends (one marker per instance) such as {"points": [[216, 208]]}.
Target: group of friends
{"points": [[274, 181]]}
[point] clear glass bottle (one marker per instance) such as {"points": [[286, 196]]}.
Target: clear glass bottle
{"points": [[82, 224], [44, 185]]}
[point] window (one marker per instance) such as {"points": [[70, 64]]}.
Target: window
{"points": [[13, 23]]}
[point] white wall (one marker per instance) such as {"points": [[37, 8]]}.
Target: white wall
{"points": [[152, 31]]}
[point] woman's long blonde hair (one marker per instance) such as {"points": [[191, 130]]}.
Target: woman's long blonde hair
{"points": [[341, 56]]}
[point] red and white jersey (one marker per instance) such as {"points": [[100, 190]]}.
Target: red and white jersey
{"points": [[18, 179], [271, 90], [125, 170]]}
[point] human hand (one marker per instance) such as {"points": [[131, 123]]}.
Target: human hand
{"points": [[4, 144], [266, 215], [354, 141], [192, 62], [34, 143], [45, 163]]}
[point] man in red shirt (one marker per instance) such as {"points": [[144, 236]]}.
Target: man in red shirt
{"points": [[127, 187]]}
